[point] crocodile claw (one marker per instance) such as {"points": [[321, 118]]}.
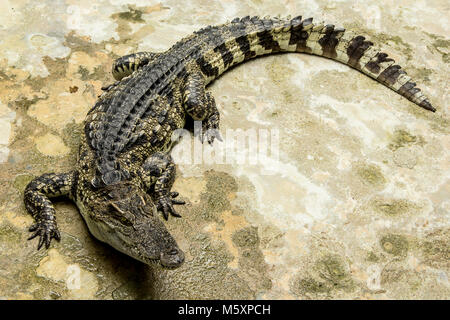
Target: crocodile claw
{"points": [[46, 230], [165, 204], [210, 135]]}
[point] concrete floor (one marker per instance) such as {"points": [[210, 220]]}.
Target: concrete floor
{"points": [[355, 206]]}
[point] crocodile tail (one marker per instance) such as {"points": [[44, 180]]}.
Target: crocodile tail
{"points": [[357, 52], [126, 65], [250, 37]]}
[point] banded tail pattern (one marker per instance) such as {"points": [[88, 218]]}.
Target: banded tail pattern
{"points": [[245, 38], [125, 65]]}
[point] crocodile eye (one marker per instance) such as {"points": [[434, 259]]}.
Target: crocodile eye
{"points": [[120, 215], [125, 221]]}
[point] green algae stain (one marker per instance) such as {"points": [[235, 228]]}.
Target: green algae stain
{"points": [[390, 40], [393, 207], [253, 265], [441, 124], [9, 234], [132, 15], [371, 174], [25, 104], [406, 48], [71, 137], [311, 285], [441, 45], [328, 274], [56, 66], [219, 186], [21, 181], [372, 257], [392, 274], [401, 138], [83, 72], [251, 259], [396, 41], [395, 244], [81, 43], [421, 73], [332, 269], [246, 237], [97, 74], [436, 249]]}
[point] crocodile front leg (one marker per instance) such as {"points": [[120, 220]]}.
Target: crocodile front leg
{"points": [[200, 105], [159, 171], [37, 203]]}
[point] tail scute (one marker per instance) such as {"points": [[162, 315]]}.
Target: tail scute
{"points": [[374, 64], [330, 40]]}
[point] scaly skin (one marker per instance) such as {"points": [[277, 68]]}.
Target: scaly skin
{"points": [[124, 172]]}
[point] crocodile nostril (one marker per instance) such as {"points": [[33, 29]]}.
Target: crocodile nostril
{"points": [[172, 258]]}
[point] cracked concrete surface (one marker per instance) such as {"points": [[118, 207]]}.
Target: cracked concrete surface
{"points": [[356, 208]]}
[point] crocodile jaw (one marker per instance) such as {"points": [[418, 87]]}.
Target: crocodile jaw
{"points": [[140, 247]]}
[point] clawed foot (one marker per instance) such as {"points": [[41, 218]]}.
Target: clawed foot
{"points": [[210, 135], [165, 204], [46, 230], [210, 131]]}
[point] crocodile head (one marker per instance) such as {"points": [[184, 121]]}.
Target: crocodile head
{"points": [[125, 217]]}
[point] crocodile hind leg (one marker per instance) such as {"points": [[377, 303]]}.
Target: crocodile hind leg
{"points": [[158, 171], [37, 203], [201, 106], [126, 65]]}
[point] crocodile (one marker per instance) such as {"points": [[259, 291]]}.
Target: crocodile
{"points": [[124, 173]]}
